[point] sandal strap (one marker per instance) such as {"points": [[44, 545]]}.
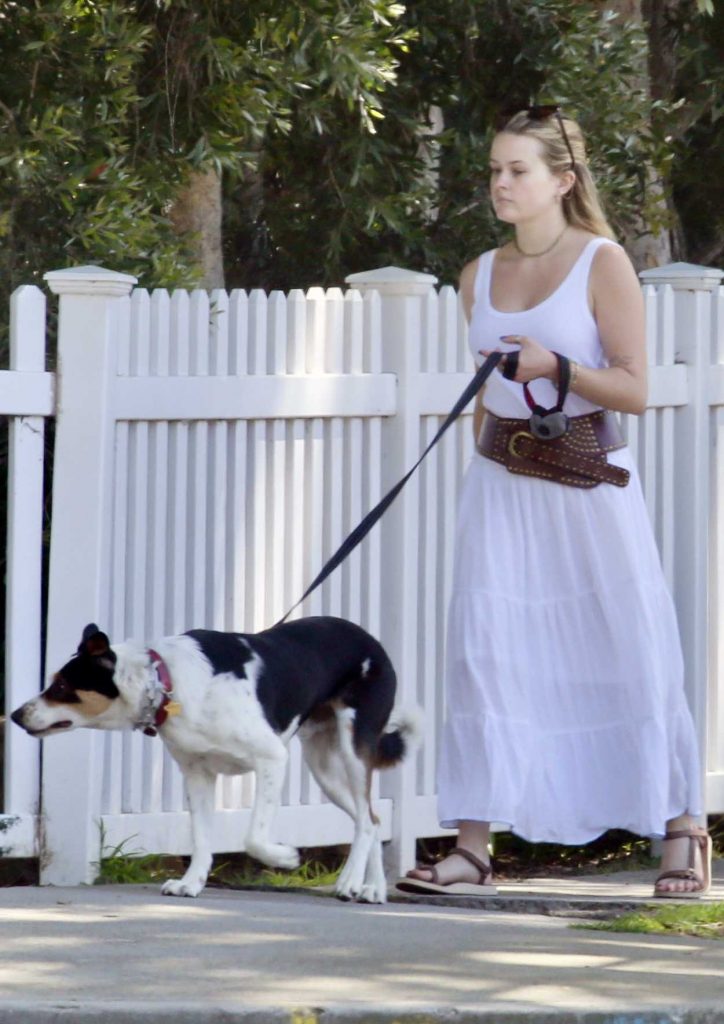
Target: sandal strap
{"points": [[688, 874], [484, 869], [697, 837], [687, 833]]}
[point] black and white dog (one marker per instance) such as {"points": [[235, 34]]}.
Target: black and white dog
{"points": [[229, 703]]}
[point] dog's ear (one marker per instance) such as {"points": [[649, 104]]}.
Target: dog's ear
{"points": [[90, 630], [94, 642]]}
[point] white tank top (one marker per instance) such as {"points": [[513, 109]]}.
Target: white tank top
{"points": [[563, 323]]}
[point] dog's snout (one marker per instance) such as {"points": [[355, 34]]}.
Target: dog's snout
{"points": [[17, 715]]}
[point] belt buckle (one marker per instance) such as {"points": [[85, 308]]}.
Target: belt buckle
{"points": [[512, 440]]}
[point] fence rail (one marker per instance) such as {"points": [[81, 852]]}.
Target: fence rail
{"points": [[212, 450]]}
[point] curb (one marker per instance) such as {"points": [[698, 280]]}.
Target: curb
{"points": [[145, 1013], [546, 906]]}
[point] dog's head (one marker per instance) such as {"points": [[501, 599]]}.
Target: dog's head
{"points": [[82, 693]]}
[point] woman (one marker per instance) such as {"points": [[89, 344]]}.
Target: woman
{"points": [[566, 709]]}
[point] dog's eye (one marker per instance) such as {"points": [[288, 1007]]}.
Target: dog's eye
{"points": [[60, 690]]}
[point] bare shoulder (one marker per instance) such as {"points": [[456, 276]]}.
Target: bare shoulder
{"points": [[467, 274], [612, 264], [613, 278], [467, 285]]}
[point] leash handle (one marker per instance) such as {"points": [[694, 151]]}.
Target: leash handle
{"points": [[564, 381], [361, 531]]}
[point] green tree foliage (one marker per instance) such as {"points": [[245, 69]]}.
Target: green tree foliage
{"points": [[74, 188], [318, 115], [107, 104], [333, 202]]}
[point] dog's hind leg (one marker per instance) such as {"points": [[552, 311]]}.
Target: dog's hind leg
{"points": [[320, 747], [362, 876], [269, 781], [200, 788]]}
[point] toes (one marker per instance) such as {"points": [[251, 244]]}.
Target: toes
{"points": [[421, 874], [673, 887]]}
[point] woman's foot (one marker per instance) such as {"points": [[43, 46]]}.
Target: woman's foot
{"points": [[461, 873], [455, 868], [685, 864]]}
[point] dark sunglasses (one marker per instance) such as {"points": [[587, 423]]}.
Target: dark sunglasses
{"points": [[540, 112]]}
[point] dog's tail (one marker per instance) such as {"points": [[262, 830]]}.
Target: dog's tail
{"points": [[402, 735]]}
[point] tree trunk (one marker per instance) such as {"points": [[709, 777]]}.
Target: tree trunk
{"points": [[196, 215], [645, 247], [428, 151]]}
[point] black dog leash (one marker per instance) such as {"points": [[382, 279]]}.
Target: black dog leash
{"points": [[361, 531]]}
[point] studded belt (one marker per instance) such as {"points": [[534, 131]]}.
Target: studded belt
{"points": [[578, 458]]}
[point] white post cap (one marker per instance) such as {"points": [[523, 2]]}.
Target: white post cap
{"points": [[392, 281], [684, 277], [89, 281]]}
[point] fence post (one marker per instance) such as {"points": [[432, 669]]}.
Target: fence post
{"points": [[24, 551], [694, 466], [402, 293], [79, 564]]}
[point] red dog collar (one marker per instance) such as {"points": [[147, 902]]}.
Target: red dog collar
{"points": [[167, 707]]}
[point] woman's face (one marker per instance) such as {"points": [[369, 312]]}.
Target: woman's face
{"points": [[522, 186]]}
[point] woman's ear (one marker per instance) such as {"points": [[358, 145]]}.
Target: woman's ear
{"points": [[567, 182]]}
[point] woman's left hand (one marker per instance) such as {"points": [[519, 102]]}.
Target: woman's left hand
{"points": [[533, 359]]}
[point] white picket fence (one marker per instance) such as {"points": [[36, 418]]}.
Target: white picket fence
{"points": [[211, 451]]}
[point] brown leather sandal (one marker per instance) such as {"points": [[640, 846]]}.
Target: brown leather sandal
{"points": [[434, 887], [698, 837]]}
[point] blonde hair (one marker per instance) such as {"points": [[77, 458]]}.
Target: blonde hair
{"points": [[581, 205]]}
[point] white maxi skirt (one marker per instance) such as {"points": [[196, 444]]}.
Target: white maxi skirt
{"points": [[566, 712]]}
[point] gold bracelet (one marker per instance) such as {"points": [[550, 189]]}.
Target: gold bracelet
{"points": [[574, 374]]}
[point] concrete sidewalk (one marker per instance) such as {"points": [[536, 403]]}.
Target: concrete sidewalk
{"points": [[125, 954]]}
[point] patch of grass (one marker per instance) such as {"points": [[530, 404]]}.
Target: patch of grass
{"points": [[716, 830], [119, 866], [123, 865], [704, 921], [309, 874]]}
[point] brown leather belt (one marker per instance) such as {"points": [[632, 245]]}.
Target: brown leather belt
{"points": [[578, 458]]}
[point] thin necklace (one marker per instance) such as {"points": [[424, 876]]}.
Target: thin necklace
{"points": [[543, 251]]}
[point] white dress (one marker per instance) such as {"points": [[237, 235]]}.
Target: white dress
{"points": [[566, 713]]}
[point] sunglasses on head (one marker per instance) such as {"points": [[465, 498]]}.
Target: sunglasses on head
{"points": [[541, 112]]}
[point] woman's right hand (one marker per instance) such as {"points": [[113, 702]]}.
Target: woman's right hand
{"points": [[534, 360]]}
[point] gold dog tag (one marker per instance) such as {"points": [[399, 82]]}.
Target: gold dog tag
{"points": [[173, 708]]}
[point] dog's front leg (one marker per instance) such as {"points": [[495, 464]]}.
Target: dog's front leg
{"points": [[200, 788], [269, 781]]}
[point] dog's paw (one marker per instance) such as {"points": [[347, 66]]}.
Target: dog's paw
{"points": [[181, 887], [350, 884], [365, 893], [362, 877], [275, 855], [348, 891], [373, 893]]}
